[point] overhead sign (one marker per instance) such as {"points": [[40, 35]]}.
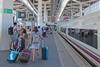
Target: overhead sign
{"points": [[21, 14], [6, 11]]}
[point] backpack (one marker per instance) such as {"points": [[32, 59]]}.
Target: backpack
{"points": [[21, 44], [10, 30]]}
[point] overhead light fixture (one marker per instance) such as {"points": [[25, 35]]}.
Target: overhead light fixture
{"points": [[14, 0], [28, 5], [33, 6], [76, 1], [58, 19], [63, 5]]}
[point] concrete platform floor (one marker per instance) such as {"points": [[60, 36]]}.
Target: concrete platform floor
{"points": [[53, 61]]}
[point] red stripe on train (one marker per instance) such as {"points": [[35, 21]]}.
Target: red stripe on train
{"points": [[90, 54]]}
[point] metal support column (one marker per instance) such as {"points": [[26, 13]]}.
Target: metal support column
{"points": [[40, 21], [6, 20], [71, 10], [81, 12], [45, 13]]}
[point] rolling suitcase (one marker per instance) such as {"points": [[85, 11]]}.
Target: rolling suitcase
{"points": [[24, 56], [44, 53], [12, 56]]}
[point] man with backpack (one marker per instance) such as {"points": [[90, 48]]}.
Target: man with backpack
{"points": [[12, 31]]}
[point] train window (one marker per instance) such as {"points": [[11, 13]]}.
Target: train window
{"points": [[85, 35], [63, 30]]}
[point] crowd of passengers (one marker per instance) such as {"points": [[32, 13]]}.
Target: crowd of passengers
{"points": [[28, 38]]}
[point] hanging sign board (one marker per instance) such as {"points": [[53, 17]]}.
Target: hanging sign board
{"points": [[6, 11]]}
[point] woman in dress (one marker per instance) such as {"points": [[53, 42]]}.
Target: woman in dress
{"points": [[36, 40]]}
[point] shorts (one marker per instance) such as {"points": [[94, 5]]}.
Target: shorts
{"points": [[35, 45]]}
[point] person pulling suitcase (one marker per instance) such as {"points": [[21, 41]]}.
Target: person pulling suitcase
{"points": [[36, 39], [18, 45]]}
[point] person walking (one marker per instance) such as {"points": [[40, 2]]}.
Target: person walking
{"points": [[36, 40]]}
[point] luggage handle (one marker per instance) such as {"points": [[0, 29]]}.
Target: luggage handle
{"points": [[25, 53], [15, 50], [43, 43]]}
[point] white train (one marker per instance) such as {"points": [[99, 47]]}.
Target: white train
{"points": [[84, 35]]}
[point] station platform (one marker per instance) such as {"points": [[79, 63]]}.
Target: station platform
{"points": [[60, 55]]}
